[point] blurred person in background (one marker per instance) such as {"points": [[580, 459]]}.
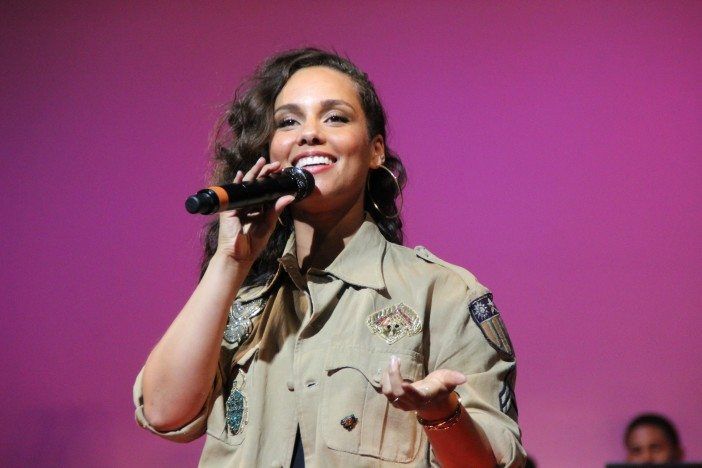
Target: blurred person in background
{"points": [[652, 438]]}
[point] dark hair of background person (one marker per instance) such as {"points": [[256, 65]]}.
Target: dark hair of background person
{"points": [[245, 131], [655, 420]]}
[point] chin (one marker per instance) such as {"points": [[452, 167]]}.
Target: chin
{"points": [[320, 201]]}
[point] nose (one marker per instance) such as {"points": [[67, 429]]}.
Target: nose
{"points": [[310, 134], [647, 456]]}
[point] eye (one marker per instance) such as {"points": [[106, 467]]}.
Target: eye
{"points": [[286, 122], [337, 118]]}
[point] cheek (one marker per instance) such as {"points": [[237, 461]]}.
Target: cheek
{"points": [[354, 145], [279, 148]]}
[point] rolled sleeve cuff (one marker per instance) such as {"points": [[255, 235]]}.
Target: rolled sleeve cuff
{"points": [[187, 433], [505, 444]]}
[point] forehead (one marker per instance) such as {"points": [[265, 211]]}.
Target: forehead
{"points": [[315, 84], [647, 434]]}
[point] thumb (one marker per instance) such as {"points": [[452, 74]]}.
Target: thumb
{"points": [[439, 381], [455, 378], [450, 379], [282, 202]]}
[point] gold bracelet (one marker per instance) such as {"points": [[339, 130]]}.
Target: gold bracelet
{"points": [[445, 423]]}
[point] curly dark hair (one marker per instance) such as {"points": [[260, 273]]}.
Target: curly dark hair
{"points": [[245, 131]]}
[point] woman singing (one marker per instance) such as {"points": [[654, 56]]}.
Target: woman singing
{"points": [[314, 337]]}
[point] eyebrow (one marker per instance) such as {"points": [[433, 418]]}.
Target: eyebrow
{"points": [[326, 104]]}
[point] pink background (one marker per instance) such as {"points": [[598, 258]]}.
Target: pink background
{"points": [[553, 148]]}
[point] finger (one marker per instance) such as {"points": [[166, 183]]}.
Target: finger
{"points": [[255, 169], [268, 169], [395, 376], [439, 384], [232, 213], [275, 210], [281, 203], [237, 180], [446, 379], [248, 215], [385, 385], [396, 388], [255, 213], [455, 378]]}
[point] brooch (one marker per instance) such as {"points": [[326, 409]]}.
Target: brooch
{"points": [[349, 422], [236, 409], [239, 324]]}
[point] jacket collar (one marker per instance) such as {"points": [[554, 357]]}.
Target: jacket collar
{"points": [[359, 263]]}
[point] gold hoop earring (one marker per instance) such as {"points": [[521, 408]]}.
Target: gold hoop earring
{"points": [[399, 191]]}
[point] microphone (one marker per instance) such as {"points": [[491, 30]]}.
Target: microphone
{"points": [[291, 181]]}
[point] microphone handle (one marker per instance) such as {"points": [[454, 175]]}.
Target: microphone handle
{"points": [[292, 181]]}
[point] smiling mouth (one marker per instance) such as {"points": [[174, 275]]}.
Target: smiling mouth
{"points": [[311, 161]]}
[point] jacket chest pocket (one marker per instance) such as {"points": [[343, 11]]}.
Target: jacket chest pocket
{"points": [[355, 415], [229, 416]]}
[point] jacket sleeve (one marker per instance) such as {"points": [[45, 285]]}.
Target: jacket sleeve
{"points": [[191, 430], [468, 336]]}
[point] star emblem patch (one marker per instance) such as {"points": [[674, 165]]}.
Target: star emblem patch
{"points": [[486, 315], [394, 322]]}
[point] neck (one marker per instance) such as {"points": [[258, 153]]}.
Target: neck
{"points": [[320, 237]]}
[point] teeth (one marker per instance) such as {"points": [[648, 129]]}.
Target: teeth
{"points": [[312, 160]]}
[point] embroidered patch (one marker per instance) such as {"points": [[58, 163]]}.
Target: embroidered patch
{"points": [[239, 325], [349, 422], [394, 322], [487, 316], [236, 409]]}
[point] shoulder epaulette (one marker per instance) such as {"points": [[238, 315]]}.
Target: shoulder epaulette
{"points": [[466, 276]]}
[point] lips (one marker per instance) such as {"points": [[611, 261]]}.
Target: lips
{"points": [[313, 159]]}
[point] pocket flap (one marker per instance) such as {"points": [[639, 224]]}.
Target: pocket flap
{"points": [[372, 364]]}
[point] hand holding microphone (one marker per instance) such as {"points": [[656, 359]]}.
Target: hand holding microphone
{"points": [[243, 234]]}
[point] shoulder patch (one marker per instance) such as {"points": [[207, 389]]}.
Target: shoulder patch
{"points": [[487, 317]]}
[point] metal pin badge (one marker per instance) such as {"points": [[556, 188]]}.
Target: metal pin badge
{"points": [[349, 422]]}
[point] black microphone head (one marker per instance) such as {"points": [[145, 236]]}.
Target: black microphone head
{"points": [[201, 203], [192, 204], [303, 179]]}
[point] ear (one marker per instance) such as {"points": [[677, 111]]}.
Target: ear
{"points": [[377, 152]]}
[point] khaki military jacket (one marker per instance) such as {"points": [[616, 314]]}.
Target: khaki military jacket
{"points": [[309, 352]]}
